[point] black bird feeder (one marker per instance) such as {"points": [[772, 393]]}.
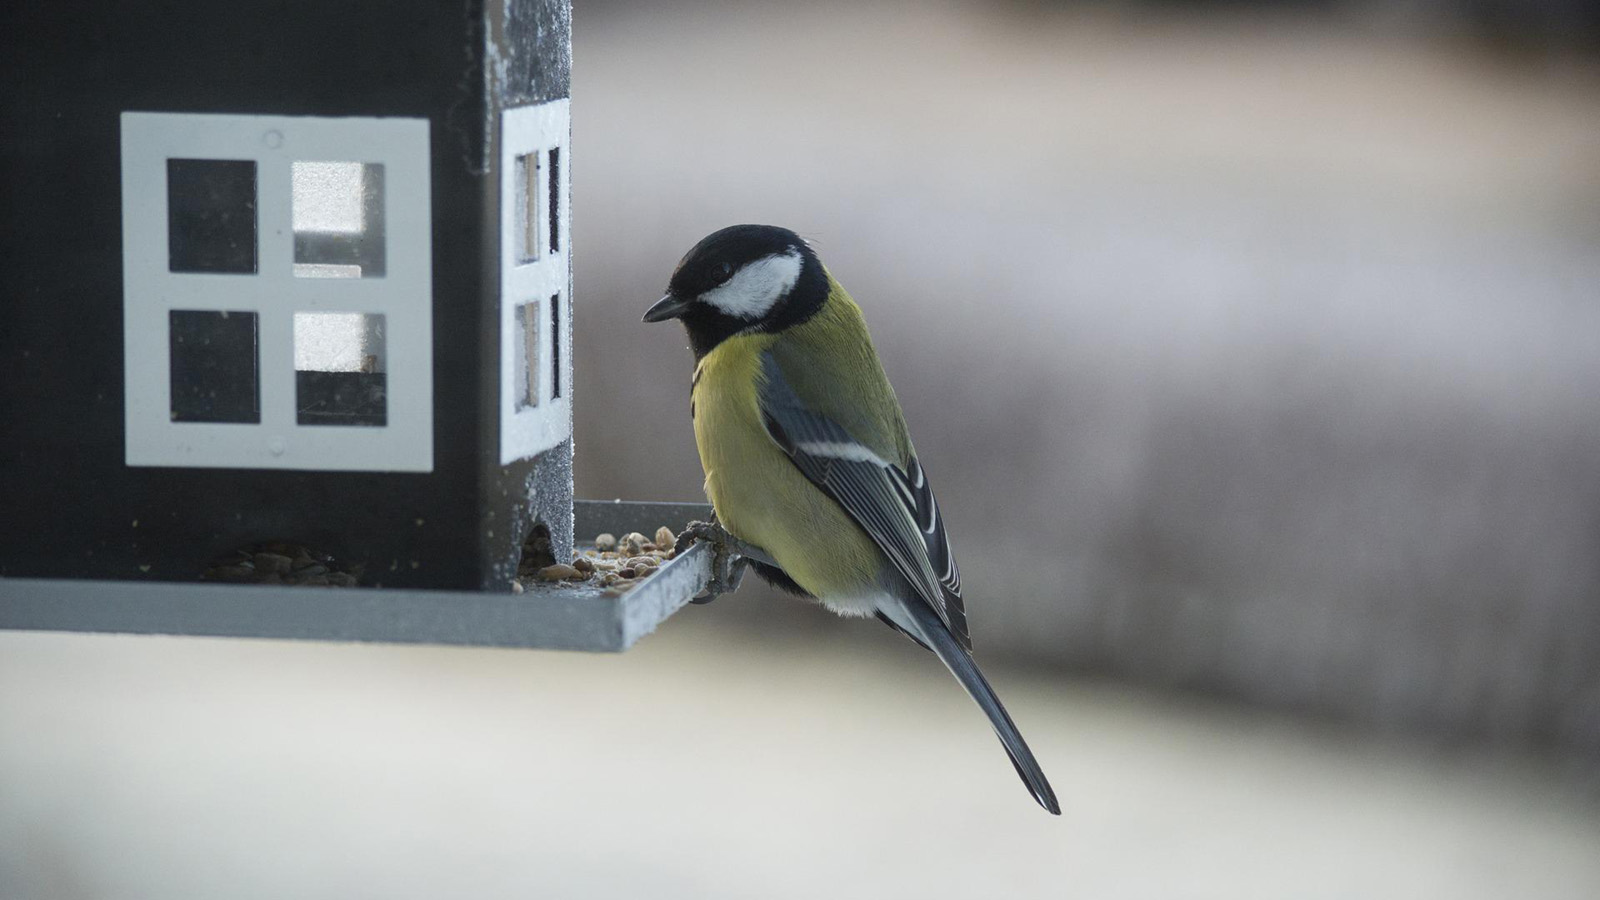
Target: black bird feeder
{"points": [[292, 286]]}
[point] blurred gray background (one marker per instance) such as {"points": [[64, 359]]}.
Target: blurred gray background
{"points": [[1249, 350], [1252, 350]]}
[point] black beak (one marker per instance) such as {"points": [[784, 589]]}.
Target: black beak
{"points": [[668, 307]]}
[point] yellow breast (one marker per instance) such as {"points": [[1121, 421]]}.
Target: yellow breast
{"points": [[759, 495]]}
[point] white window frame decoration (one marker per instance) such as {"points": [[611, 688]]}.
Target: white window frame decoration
{"points": [[526, 431], [403, 295]]}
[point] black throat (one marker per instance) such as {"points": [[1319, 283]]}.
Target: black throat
{"points": [[709, 326]]}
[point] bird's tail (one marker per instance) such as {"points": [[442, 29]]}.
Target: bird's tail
{"points": [[932, 631]]}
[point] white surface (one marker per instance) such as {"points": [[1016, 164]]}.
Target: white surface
{"points": [[716, 763], [404, 296], [531, 430], [326, 270], [328, 197], [336, 342]]}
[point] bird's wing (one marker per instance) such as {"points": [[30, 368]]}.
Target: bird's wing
{"points": [[894, 505]]}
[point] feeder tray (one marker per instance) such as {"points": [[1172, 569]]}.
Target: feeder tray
{"points": [[548, 615]]}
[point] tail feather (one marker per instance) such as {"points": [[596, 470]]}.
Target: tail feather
{"points": [[933, 633]]}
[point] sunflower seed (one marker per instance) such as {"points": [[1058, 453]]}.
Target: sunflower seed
{"points": [[558, 572]]}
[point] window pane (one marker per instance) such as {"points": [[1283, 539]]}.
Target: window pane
{"points": [[214, 366], [338, 218], [554, 204], [211, 215], [527, 383], [555, 346], [527, 212], [340, 369]]}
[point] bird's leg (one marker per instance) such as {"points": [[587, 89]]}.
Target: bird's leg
{"points": [[731, 557], [727, 571], [714, 533]]}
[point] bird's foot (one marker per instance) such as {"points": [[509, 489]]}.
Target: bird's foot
{"points": [[714, 533], [730, 560]]}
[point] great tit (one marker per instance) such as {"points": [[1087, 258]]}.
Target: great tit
{"points": [[808, 463]]}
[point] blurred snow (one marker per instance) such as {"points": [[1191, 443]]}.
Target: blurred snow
{"points": [[716, 762]]}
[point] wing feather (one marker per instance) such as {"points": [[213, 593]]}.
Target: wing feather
{"points": [[894, 505]]}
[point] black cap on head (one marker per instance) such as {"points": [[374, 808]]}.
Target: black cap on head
{"points": [[721, 253], [744, 278]]}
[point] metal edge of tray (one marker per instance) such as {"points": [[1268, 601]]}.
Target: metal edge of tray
{"points": [[556, 617]]}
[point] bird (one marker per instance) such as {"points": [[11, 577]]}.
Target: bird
{"points": [[809, 467]]}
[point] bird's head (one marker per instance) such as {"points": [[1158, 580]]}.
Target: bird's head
{"points": [[742, 279]]}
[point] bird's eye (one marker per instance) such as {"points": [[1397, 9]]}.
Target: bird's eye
{"points": [[723, 272]]}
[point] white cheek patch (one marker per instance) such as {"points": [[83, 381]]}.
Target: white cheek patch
{"points": [[754, 289]]}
